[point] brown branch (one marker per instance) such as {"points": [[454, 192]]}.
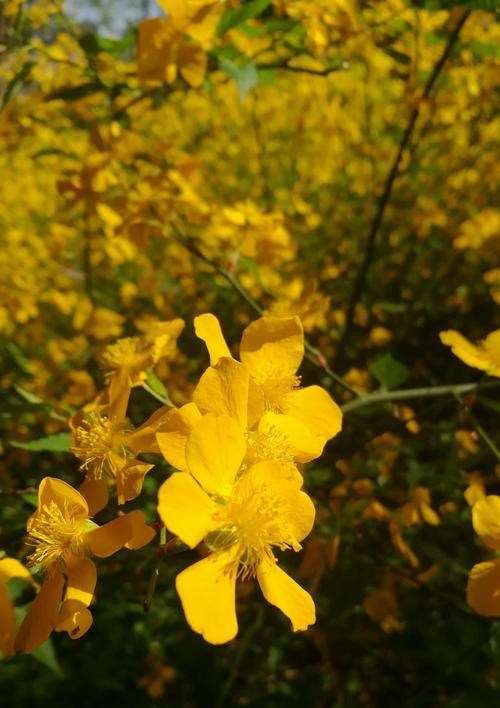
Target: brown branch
{"points": [[369, 250]]}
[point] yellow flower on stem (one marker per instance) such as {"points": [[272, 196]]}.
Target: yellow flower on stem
{"points": [[126, 361], [272, 349], [62, 536], [484, 356], [9, 568], [108, 446], [241, 517]]}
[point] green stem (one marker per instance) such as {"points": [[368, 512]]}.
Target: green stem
{"points": [[478, 427], [407, 394]]}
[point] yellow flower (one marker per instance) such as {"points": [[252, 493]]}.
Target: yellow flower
{"points": [[483, 588], [419, 510], [272, 349], [125, 362], [484, 356], [62, 535], [241, 517], [9, 568], [108, 446]]}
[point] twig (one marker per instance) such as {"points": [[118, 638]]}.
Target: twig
{"points": [[304, 70], [18, 492], [407, 394], [479, 428], [369, 250]]}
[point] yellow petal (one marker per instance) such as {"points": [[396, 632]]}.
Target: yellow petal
{"points": [[223, 390], [130, 478], [67, 498], [272, 343], [42, 615], [214, 453], [208, 329], [207, 593], [96, 494], [142, 533], [82, 578], [185, 509], [290, 434], [284, 593], [107, 539], [314, 407], [12, 568], [8, 627], [295, 504], [483, 588], [467, 352], [143, 438], [486, 520], [74, 618], [173, 434]]}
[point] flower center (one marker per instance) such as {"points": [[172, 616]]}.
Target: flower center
{"points": [[276, 386], [128, 352], [99, 444], [56, 536], [252, 521]]}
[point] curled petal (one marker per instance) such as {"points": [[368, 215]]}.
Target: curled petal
{"points": [[82, 578], [74, 618], [12, 568], [96, 494], [68, 499], [284, 593], [41, 617], [106, 540], [142, 533]]}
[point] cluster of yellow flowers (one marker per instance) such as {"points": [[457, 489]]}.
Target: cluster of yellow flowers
{"points": [[235, 447]]}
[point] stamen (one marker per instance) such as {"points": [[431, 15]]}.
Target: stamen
{"points": [[56, 535]]}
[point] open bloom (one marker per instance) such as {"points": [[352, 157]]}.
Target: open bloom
{"points": [[62, 536], [483, 588], [242, 517], [272, 349], [126, 361], [9, 568], [108, 446], [485, 355]]}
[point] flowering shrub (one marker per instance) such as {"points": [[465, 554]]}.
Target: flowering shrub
{"points": [[318, 182]]}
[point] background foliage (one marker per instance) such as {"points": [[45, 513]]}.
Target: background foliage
{"points": [[133, 193]]}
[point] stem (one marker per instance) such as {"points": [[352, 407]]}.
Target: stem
{"points": [[407, 394], [148, 600], [386, 194], [478, 427]]}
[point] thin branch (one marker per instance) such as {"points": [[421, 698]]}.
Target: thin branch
{"points": [[369, 250], [304, 70], [478, 427], [407, 394]]}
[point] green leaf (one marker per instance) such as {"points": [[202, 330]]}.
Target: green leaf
{"points": [[389, 372], [60, 442], [154, 386], [245, 75], [246, 11], [46, 655], [16, 80]]}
